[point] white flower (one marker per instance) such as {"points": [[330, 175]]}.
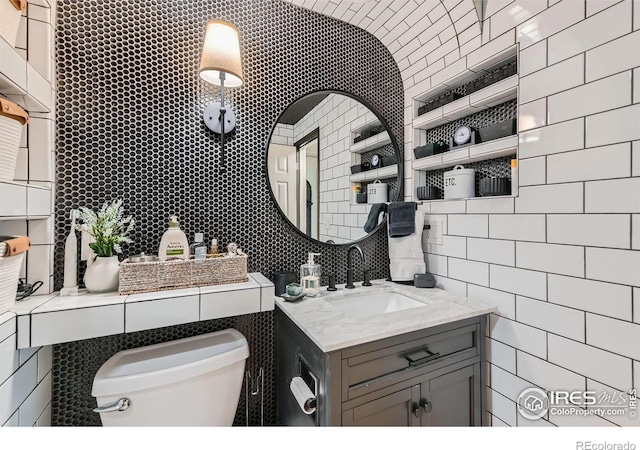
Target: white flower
{"points": [[108, 228]]}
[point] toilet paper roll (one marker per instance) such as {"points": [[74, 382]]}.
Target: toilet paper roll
{"points": [[304, 396]]}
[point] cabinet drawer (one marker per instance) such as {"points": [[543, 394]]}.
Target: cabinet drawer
{"points": [[379, 368]]}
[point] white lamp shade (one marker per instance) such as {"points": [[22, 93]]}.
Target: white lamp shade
{"points": [[221, 53]]}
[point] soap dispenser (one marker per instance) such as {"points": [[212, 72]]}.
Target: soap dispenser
{"points": [[310, 276], [174, 244]]}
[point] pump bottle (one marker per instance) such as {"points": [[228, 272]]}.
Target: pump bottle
{"points": [[310, 276]]}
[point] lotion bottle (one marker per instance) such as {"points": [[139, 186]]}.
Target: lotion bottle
{"points": [[174, 243], [310, 276]]}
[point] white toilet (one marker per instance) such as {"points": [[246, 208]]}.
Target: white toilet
{"points": [[188, 382]]}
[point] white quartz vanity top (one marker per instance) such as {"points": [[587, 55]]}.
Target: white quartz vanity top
{"points": [[52, 319], [333, 330]]}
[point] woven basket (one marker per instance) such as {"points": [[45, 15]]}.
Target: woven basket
{"points": [[12, 250], [140, 277], [10, 15], [12, 119]]}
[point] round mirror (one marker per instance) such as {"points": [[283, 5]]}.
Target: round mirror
{"points": [[330, 158]]}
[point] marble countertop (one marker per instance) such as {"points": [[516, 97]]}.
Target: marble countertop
{"points": [[331, 329]]}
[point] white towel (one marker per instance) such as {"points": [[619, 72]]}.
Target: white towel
{"points": [[405, 269], [406, 254], [408, 246]]}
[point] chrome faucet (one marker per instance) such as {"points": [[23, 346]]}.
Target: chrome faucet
{"points": [[350, 264]]}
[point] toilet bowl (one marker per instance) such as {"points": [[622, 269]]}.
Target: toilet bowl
{"points": [[194, 381]]}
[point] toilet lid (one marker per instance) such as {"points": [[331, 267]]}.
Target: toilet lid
{"points": [[169, 362]]}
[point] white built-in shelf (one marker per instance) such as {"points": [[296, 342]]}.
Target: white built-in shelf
{"points": [[473, 153], [375, 174], [371, 143], [27, 201], [52, 319], [23, 84], [492, 95]]}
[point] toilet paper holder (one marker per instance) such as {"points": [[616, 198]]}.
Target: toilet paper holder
{"points": [[311, 380]]}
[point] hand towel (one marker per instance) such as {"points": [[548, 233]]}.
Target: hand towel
{"points": [[405, 269], [402, 219], [406, 256], [374, 214], [408, 246]]}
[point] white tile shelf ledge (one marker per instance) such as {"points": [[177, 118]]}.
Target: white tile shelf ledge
{"points": [[492, 95], [479, 152], [20, 82], [51, 319], [375, 174], [371, 143], [27, 201]]}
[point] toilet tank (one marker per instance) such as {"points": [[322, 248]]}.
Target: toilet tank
{"points": [[194, 381]]}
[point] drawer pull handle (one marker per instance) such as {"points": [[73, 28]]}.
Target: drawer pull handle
{"points": [[427, 406], [417, 410], [421, 357]]}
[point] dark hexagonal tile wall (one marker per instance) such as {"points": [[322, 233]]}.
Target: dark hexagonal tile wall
{"points": [[129, 126]]}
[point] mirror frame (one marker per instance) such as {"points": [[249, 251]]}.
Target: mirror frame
{"points": [[394, 143]]}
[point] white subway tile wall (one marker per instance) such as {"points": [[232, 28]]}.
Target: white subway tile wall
{"points": [[25, 376], [336, 117], [25, 380]]}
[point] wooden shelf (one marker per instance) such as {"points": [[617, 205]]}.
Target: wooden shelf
{"points": [[376, 141], [473, 153], [375, 174], [20, 82], [495, 94], [28, 201]]}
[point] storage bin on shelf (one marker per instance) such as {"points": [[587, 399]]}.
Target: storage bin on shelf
{"points": [[12, 119], [12, 251], [10, 16], [140, 277]]}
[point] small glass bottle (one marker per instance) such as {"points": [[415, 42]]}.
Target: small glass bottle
{"points": [[214, 247], [198, 249], [310, 276]]}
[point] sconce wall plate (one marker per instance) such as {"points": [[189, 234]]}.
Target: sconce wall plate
{"points": [[211, 118]]}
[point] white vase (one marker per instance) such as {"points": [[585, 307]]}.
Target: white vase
{"points": [[102, 274]]}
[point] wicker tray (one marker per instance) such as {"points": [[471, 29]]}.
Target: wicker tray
{"points": [[137, 278]]}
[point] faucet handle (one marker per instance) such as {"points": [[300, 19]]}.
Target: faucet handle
{"points": [[332, 283], [367, 278]]}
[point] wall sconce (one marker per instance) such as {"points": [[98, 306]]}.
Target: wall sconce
{"points": [[221, 65]]}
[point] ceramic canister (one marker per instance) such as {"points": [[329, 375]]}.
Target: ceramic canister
{"points": [[460, 183], [377, 192]]}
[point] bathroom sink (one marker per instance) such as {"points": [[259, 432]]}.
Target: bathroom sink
{"points": [[373, 304]]}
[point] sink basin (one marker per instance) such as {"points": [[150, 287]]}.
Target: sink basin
{"points": [[373, 304]]}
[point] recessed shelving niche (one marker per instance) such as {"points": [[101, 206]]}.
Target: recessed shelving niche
{"points": [[484, 96]]}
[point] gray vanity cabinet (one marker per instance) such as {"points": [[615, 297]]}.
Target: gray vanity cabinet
{"points": [[451, 399], [430, 377]]}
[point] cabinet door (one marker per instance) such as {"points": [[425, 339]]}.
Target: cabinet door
{"points": [[394, 410], [452, 399]]}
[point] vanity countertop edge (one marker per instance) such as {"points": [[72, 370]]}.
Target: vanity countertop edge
{"points": [[332, 330], [51, 319]]}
